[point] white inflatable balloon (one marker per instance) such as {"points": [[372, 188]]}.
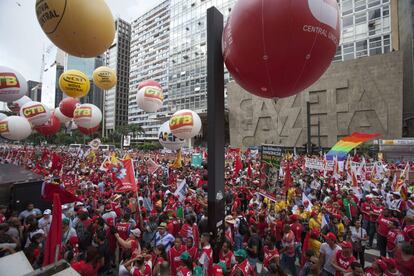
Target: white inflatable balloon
{"points": [[17, 105], [87, 115], [167, 139], [12, 85], [2, 116], [150, 98], [15, 128], [62, 118], [36, 112], [185, 124]]}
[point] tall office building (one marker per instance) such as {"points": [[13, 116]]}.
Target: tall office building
{"points": [[188, 53], [87, 66], [149, 60], [34, 90], [115, 107], [52, 68], [365, 28]]}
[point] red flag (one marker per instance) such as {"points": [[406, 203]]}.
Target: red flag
{"points": [[54, 238], [49, 189], [56, 163], [249, 170], [288, 178], [354, 180], [152, 166], [238, 166], [126, 177]]}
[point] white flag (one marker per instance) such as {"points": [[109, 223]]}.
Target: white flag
{"points": [[181, 191]]}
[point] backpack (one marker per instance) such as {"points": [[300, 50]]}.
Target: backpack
{"points": [[84, 235], [243, 226]]}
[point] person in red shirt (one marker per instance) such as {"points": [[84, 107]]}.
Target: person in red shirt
{"points": [[142, 267], [226, 255], [297, 228], [343, 259], [206, 258], [186, 267], [405, 259], [391, 267], [287, 261], [90, 266], [219, 269], [242, 267], [174, 255], [276, 230], [376, 269], [384, 225], [271, 254], [262, 225], [131, 243], [158, 258], [124, 227], [376, 210], [394, 238], [192, 249]]}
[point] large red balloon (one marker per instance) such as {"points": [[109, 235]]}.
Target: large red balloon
{"points": [[52, 126], [277, 48], [67, 106], [88, 131], [148, 83]]}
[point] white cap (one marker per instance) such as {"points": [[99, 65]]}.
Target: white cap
{"points": [[79, 203], [136, 232], [47, 212]]}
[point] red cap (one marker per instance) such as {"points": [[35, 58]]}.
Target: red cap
{"points": [[382, 265], [330, 236], [315, 233], [346, 244]]}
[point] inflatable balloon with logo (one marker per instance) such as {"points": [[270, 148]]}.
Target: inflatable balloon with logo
{"points": [[62, 118], [87, 116], [148, 83], [104, 77], [15, 128], [12, 85], [275, 49], [36, 113], [185, 124], [88, 131], [17, 105], [80, 28], [67, 106], [74, 83], [167, 139], [150, 98], [51, 127]]}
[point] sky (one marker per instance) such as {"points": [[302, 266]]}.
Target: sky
{"points": [[22, 40]]}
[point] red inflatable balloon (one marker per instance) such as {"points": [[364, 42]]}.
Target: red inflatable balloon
{"points": [[88, 131], [275, 49], [51, 127], [148, 83], [67, 106]]}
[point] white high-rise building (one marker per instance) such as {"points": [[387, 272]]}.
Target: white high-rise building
{"points": [[150, 37], [116, 99]]}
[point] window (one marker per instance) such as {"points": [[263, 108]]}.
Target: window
{"points": [[375, 46], [348, 51], [361, 48]]}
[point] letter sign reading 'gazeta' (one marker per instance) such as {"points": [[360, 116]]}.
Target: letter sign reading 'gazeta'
{"points": [[82, 112]]}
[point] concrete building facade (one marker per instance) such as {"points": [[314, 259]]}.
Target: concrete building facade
{"points": [[364, 94], [34, 90], [150, 35], [115, 109]]}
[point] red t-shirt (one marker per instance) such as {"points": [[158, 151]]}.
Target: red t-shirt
{"points": [[217, 270], [244, 267], [261, 227], [174, 258], [147, 271], [297, 229], [406, 267], [376, 210], [226, 258], [269, 254], [123, 229], [365, 209], [85, 269], [343, 262], [383, 225], [277, 229]]}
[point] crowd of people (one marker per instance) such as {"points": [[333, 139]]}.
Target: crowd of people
{"points": [[304, 222]]}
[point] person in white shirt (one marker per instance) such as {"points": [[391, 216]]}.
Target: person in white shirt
{"points": [[30, 210], [67, 231], [410, 207], [45, 221], [327, 253], [109, 213]]}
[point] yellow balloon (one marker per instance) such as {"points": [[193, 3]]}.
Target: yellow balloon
{"points": [[80, 28], [74, 83], [104, 77]]}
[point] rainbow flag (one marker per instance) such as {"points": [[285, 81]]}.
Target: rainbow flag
{"points": [[346, 144]]}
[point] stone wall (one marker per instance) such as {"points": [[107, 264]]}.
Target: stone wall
{"points": [[364, 95]]}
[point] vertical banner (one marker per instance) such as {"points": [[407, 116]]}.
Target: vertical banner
{"points": [[271, 158], [196, 160]]}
